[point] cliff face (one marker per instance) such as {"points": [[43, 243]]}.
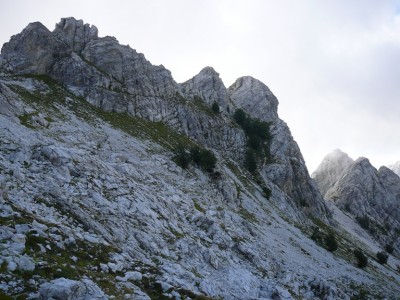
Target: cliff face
{"points": [[114, 77], [94, 204]]}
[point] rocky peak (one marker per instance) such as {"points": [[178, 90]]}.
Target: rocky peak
{"points": [[208, 86], [75, 33], [330, 170], [34, 50], [255, 98], [368, 194]]}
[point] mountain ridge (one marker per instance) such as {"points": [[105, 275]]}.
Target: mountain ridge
{"points": [[94, 204]]}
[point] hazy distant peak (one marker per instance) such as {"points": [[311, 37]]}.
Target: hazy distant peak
{"points": [[331, 169], [395, 168]]}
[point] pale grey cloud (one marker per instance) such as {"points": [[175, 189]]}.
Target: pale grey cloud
{"points": [[334, 65]]}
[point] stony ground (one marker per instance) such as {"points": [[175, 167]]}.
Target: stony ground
{"points": [[94, 210]]}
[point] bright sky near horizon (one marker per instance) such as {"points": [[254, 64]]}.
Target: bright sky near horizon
{"points": [[334, 65]]}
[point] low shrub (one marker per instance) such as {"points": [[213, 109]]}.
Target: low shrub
{"points": [[215, 108], [382, 257], [330, 242], [389, 248], [362, 260]]}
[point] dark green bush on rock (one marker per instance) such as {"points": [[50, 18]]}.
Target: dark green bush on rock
{"points": [[389, 248], [215, 108], [203, 158], [330, 242], [181, 158], [362, 260], [382, 257], [258, 138]]}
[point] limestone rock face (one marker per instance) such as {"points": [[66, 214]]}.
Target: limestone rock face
{"points": [[255, 98], [208, 86], [130, 68], [66, 289], [366, 193], [287, 169], [33, 51], [331, 169], [75, 33]]}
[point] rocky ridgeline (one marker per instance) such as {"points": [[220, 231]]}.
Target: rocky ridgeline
{"points": [[94, 206], [114, 77], [372, 196]]}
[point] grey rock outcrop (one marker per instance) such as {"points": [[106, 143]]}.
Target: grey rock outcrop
{"points": [[208, 86], [75, 33], [372, 196], [66, 289], [331, 169], [287, 169], [255, 98], [33, 51]]}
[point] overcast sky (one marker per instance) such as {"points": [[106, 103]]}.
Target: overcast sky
{"points": [[334, 65]]}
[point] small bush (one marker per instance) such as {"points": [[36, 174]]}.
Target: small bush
{"points": [[364, 222], [266, 191], [382, 257], [303, 202], [240, 116], [215, 108], [203, 158], [317, 235], [181, 158], [330, 242], [362, 260], [250, 161], [389, 248], [258, 139]]}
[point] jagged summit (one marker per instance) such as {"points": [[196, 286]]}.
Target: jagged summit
{"points": [[75, 33], [208, 86], [255, 98], [371, 196]]}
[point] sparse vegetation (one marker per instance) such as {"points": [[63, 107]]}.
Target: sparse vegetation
{"points": [[215, 108], [382, 257], [364, 222], [303, 202], [389, 248], [266, 192], [362, 260], [258, 138], [330, 242], [181, 158], [203, 158]]}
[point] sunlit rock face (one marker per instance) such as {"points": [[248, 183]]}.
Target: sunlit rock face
{"points": [[95, 203]]}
